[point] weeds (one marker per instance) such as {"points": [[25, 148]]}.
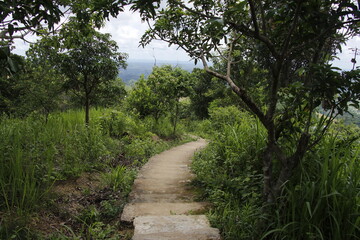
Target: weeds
{"points": [[120, 179], [34, 154], [325, 202], [321, 201]]}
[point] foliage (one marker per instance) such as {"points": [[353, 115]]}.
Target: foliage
{"points": [[230, 173], [205, 89], [120, 178], [143, 101], [324, 203], [118, 124], [19, 18], [321, 201], [110, 94], [35, 154], [161, 93], [88, 59], [8, 87], [283, 46]]}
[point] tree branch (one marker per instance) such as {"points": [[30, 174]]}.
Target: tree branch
{"points": [[248, 32], [264, 28], [253, 16], [293, 26], [239, 91]]}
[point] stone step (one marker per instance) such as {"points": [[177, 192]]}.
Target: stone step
{"points": [[133, 210], [175, 227]]}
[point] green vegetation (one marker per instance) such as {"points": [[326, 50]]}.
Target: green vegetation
{"points": [[275, 56], [276, 167], [161, 93], [87, 58], [36, 154], [321, 201]]}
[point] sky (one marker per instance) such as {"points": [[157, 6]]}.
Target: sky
{"points": [[128, 28]]}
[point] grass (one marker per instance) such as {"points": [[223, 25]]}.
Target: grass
{"points": [[321, 201], [325, 202], [35, 154]]}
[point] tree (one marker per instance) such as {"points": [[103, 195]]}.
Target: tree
{"points": [[110, 94], [40, 90], [143, 100], [291, 43], [161, 93], [84, 56], [9, 91], [170, 85], [207, 89], [19, 18]]}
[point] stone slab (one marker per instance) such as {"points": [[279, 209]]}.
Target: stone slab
{"points": [[133, 210], [176, 227]]}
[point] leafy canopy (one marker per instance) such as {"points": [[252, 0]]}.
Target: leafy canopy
{"points": [[286, 47], [88, 59]]}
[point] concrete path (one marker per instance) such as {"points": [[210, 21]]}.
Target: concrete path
{"points": [[162, 205]]}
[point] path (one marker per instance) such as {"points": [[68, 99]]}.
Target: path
{"points": [[161, 201]]}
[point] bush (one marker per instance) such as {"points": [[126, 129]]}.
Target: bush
{"points": [[229, 171], [321, 201], [325, 202]]}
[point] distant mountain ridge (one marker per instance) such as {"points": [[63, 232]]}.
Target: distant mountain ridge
{"points": [[136, 68]]}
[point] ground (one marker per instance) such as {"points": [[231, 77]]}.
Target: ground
{"points": [[79, 204]]}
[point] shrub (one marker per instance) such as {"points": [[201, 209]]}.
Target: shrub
{"points": [[230, 173], [325, 202]]}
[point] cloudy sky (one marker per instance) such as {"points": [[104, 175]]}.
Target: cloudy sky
{"points": [[127, 30]]}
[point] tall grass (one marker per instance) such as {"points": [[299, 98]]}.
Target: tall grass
{"points": [[229, 172], [34, 153], [321, 201], [325, 202]]}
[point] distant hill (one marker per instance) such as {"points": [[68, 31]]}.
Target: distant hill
{"points": [[137, 67]]}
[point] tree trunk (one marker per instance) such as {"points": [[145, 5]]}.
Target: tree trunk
{"points": [[267, 171], [175, 118], [87, 109]]}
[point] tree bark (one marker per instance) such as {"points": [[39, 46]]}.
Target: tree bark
{"points": [[87, 109], [175, 118]]}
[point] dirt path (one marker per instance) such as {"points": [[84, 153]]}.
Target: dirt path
{"points": [[162, 202]]}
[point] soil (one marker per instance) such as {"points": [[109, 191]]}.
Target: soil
{"points": [[72, 199]]}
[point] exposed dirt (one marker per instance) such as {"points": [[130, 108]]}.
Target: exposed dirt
{"points": [[76, 203]]}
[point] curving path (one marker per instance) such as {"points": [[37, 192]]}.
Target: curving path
{"points": [[162, 205]]}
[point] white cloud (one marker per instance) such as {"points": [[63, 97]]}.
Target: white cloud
{"points": [[344, 61], [127, 30]]}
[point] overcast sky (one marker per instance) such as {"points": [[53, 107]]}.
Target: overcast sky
{"points": [[127, 30]]}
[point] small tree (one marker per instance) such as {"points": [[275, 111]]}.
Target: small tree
{"points": [[205, 89], [84, 56], [143, 100], [161, 93]]}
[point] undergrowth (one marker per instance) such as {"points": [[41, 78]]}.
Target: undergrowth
{"points": [[321, 201], [35, 154]]}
